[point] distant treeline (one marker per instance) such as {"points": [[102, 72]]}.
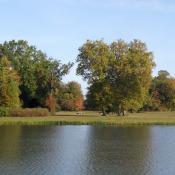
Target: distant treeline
{"points": [[29, 78], [119, 76]]}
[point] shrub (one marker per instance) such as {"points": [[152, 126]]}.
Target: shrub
{"points": [[29, 112], [4, 111]]}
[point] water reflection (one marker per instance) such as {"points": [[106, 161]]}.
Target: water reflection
{"points": [[9, 142], [81, 150], [119, 150]]}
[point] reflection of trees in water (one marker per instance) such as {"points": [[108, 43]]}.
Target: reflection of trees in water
{"points": [[24, 148], [71, 156], [75, 149], [47, 150], [9, 142], [119, 150], [22, 143]]}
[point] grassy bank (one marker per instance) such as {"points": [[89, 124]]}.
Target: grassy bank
{"points": [[92, 118]]}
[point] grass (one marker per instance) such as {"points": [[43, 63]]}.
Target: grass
{"points": [[94, 118]]}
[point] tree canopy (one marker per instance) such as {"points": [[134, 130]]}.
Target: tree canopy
{"points": [[162, 92], [71, 97], [119, 75], [9, 84], [34, 66], [121, 70]]}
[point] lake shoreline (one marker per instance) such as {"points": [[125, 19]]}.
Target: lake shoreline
{"points": [[140, 119]]}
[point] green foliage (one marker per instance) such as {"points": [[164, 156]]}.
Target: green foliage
{"points": [[4, 111], [130, 73], [29, 112], [99, 97], [9, 84], [163, 74], [162, 92], [93, 61], [119, 74], [33, 66], [71, 98]]}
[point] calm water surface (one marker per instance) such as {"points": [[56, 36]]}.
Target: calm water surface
{"points": [[87, 150]]}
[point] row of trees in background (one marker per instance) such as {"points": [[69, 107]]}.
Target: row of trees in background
{"points": [[120, 78], [161, 95], [29, 78]]}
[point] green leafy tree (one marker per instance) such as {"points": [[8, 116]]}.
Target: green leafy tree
{"points": [[119, 74], [129, 74], [99, 97], [9, 84], [162, 92], [40, 75], [93, 61]]}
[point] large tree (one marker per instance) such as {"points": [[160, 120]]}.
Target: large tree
{"points": [[40, 75], [9, 84], [119, 74], [129, 74]]}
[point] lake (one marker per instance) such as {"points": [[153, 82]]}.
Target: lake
{"points": [[87, 150]]}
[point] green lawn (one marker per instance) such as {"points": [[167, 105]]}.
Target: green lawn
{"points": [[94, 118]]}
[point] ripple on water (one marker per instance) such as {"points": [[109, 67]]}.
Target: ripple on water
{"points": [[88, 150]]}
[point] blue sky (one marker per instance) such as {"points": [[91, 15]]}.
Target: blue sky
{"points": [[59, 27]]}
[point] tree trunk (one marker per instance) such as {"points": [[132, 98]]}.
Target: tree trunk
{"points": [[103, 111], [123, 111], [119, 110]]}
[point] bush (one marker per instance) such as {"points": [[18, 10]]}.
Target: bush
{"points": [[29, 112], [4, 111]]}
